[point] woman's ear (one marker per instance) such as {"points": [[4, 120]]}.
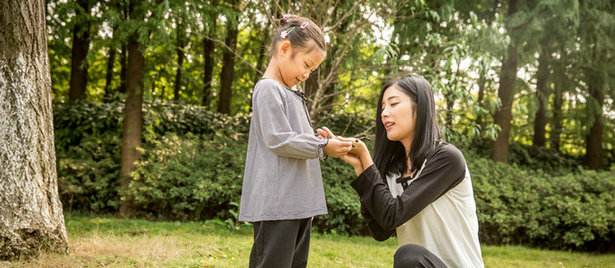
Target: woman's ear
{"points": [[285, 48]]}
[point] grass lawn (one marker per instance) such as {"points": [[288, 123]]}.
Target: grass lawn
{"points": [[110, 242]]}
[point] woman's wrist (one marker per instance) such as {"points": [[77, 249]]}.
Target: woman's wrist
{"points": [[358, 169], [366, 158]]}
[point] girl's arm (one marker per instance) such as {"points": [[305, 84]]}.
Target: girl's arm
{"points": [[277, 133], [443, 171]]}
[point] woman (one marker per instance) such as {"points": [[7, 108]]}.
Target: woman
{"points": [[417, 184]]}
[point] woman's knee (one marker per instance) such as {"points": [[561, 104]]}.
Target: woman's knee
{"points": [[413, 255]]}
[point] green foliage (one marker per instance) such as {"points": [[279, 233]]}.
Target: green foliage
{"points": [[192, 168], [87, 138], [546, 159], [574, 211], [190, 177], [343, 204]]}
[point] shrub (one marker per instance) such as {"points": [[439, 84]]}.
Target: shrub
{"points": [[192, 168], [190, 177], [87, 138], [575, 211]]}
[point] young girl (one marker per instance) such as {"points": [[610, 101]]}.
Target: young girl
{"points": [[419, 185], [282, 185]]}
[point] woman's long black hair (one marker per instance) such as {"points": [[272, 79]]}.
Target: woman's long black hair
{"points": [[390, 156]]}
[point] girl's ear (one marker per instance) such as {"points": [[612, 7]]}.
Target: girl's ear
{"points": [[284, 48]]}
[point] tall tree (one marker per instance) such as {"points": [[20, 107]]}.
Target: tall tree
{"points": [[542, 94], [31, 216], [109, 73], [508, 76], [133, 114], [593, 140], [81, 44], [208, 68], [180, 58], [597, 37], [228, 59]]}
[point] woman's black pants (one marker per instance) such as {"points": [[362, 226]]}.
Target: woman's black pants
{"points": [[412, 255]]}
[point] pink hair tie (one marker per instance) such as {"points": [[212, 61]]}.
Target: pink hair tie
{"points": [[303, 25]]}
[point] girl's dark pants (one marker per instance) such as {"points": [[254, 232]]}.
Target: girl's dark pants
{"points": [[281, 244], [412, 255]]}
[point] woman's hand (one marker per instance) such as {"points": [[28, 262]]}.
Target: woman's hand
{"points": [[355, 161]]}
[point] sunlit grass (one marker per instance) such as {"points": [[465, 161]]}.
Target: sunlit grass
{"points": [[110, 242]]}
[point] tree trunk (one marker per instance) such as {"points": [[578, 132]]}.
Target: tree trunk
{"points": [[133, 120], [261, 59], [180, 62], [448, 114], [482, 81], [109, 76], [228, 66], [123, 68], [208, 52], [81, 44], [593, 141], [31, 216], [542, 95], [503, 115], [556, 130]]}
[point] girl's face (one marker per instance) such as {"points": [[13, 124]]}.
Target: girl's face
{"points": [[398, 116], [296, 66]]}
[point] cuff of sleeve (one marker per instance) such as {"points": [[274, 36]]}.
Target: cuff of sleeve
{"points": [[321, 151], [364, 181]]}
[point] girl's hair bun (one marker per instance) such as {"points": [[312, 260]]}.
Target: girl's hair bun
{"points": [[284, 20], [298, 30]]}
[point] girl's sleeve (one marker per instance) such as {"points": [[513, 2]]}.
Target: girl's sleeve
{"points": [[444, 170], [277, 133]]}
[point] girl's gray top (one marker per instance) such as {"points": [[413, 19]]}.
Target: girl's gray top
{"points": [[282, 178]]}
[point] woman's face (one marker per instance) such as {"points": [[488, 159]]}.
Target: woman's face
{"points": [[398, 115]]}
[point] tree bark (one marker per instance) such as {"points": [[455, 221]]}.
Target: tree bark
{"points": [[109, 75], [123, 68], [503, 115], [556, 130], [208, 52], [133, 118], [228, 66], [542, 95], [262, 50], [180, 61], [593, 140], [79, 67], [31, 216], [482, 81]]}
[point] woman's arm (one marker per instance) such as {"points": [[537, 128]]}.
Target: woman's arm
{"points": [[377, 232], [443, 171]]}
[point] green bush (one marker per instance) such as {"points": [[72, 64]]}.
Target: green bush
{"points": [[547, 159], [87, 138], [190, 177], [575, 211], [192, 167]]}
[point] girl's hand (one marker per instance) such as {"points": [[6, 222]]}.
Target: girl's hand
{"points": [[337, 148], [325, 133]]}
